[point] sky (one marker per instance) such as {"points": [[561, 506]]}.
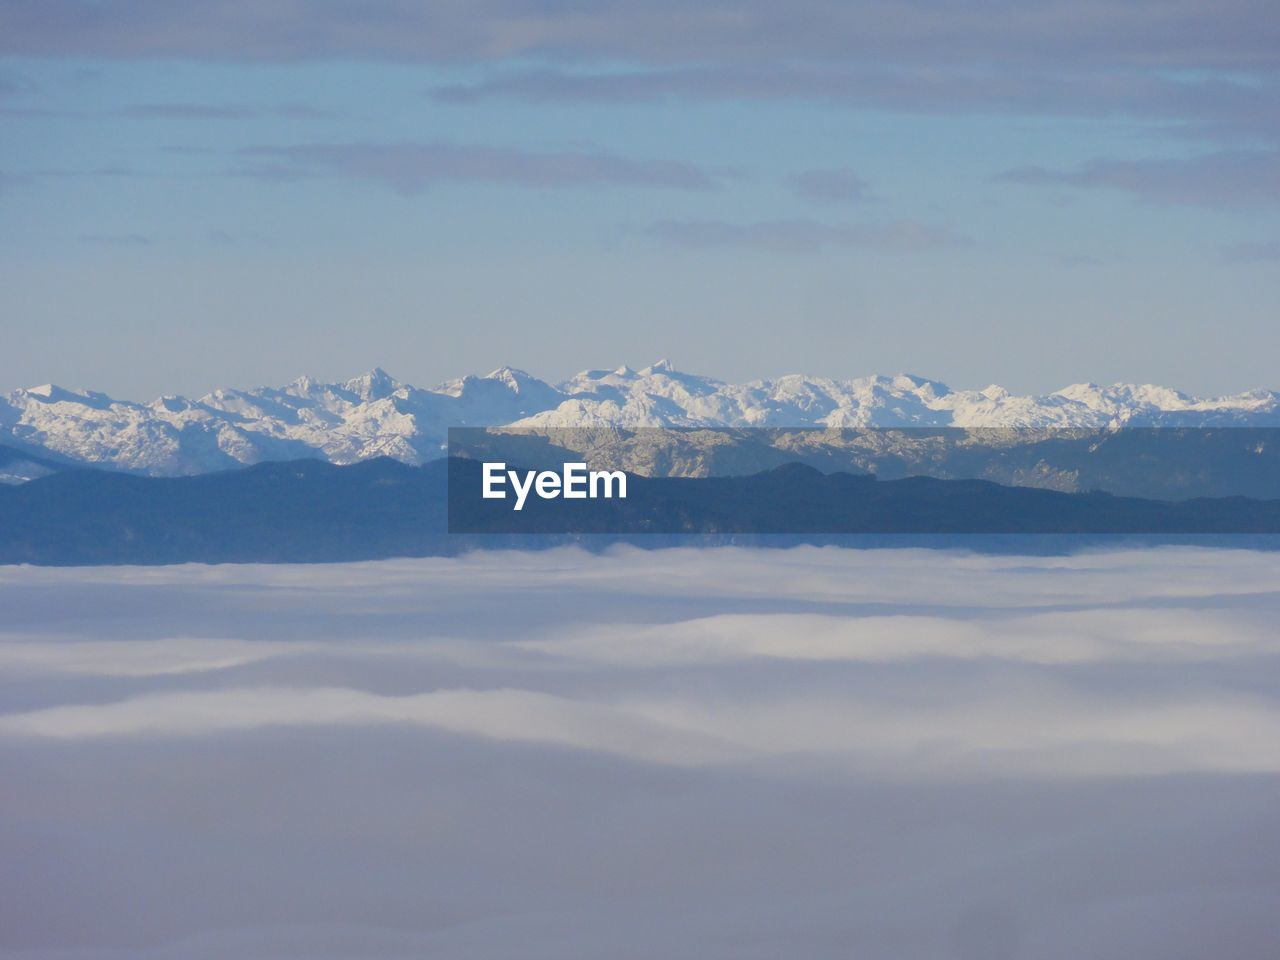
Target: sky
{"points": [[690, 754], [1032, 194]]}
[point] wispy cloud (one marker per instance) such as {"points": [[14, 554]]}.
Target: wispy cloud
{"points": [[1237, 180], [1081, 260], [116, 239], [1209, 69], [1232, 34], [512, 715], [1252, 251], [9, 180], [829, 186], [804, 236], [228, 238], [40, 113], [1212, 108], [103, 171], [410, 168], [13, 83], [224, 111]]}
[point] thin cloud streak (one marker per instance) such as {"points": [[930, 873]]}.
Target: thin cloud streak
{"points": [[411, 168], [1254, 251], [1229, 109], [12, 84], [804, 236], [224, 111], [116, 239], [1225, 179], [510, 715], [829, 186], [10, 180]]}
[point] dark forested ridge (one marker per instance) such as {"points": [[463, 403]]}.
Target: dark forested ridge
{"points": [[311, 511]]}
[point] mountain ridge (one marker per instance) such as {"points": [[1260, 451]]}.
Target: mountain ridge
{"points": [[307, 511], [377, 415]]}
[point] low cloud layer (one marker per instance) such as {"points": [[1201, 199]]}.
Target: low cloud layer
{"points": [[813, 752]]}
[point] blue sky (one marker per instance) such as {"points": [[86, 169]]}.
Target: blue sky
{"points": [[1033, 194]]}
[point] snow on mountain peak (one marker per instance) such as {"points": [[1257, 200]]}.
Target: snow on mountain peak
{"points": [[513, 378], [662, 366], [374, 385], [375, 414], [52, 393]]}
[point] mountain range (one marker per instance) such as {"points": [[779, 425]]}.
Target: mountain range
{"points": [[378, 416]]}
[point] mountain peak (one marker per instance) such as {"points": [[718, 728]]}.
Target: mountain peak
{"points": [[374, 385], [509, 374], [53, 393], [662, 366]]}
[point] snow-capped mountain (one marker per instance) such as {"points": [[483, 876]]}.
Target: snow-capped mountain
{"points": [[376, 415]]}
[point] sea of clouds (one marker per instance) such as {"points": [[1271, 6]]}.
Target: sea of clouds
{"points": [[702, 754]]}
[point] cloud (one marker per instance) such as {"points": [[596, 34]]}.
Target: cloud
{"points": [[116, 239], [1253, 251], [73, 172], [1232, 35], [834, 186], [1230, 180], [12, 84], [1042, 732], [803, 236], [1076, 637], [229, 238], [138, 658], [225, 111], [40, 113], [1081, 260], [512, 715], [806, 752], [1209, 71], [410, 168], [1062, 667], [1230, 109], [10, 180]]}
